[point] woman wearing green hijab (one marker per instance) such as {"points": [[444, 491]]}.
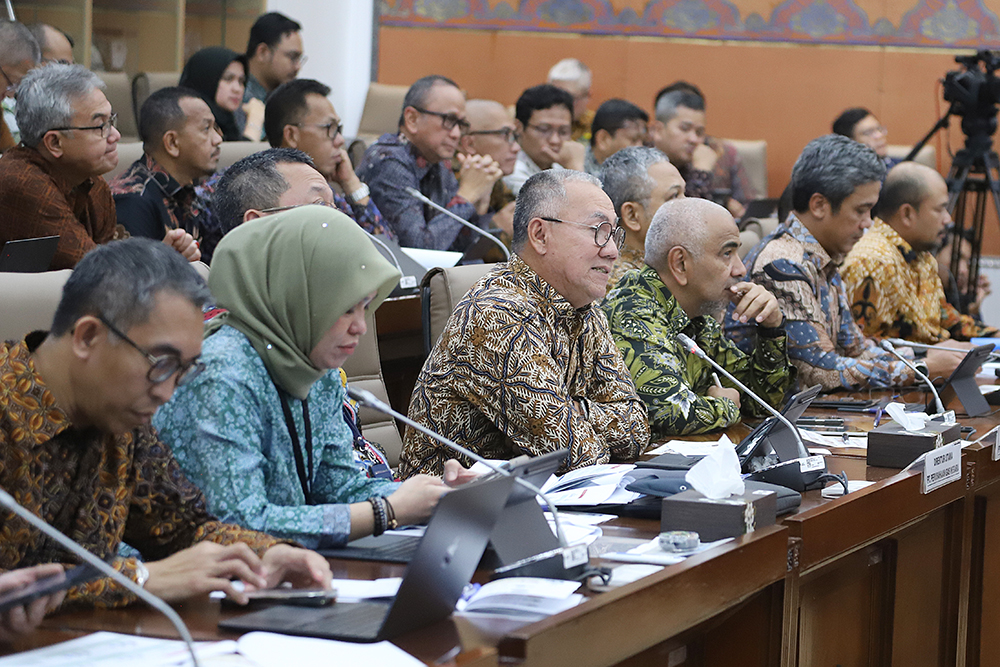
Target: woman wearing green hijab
{"points": [[261, 431]]}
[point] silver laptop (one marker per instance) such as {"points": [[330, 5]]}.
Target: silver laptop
{"points": [[444, 563]]}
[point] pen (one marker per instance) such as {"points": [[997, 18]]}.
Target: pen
{"points": [[715, 377]]}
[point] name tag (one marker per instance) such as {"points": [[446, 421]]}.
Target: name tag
{"points": [[574, 556], [942, 466], [812, 463]]}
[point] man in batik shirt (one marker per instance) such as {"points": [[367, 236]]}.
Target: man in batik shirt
{"points": [[526, 364], [836, 182], [891, 275], [692, 271], [77, 448], [638, 180]]}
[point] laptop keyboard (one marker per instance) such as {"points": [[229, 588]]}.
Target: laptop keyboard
{"points": [[399, 551], [361, 620]]}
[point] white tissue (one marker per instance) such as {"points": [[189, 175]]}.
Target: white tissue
{"points": [[910, 421], [718, 474]]}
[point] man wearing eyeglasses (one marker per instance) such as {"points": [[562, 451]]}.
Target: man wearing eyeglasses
{"points": [[19, 53], [544, 118], [274, 55], [526, 364], [492, 132], [180, 140], [692, 270], [50, 184], [419, 156], [861, 125], [77, 448], [299, 115]]}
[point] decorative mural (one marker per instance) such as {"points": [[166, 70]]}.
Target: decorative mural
{"points": [[946, 24]]}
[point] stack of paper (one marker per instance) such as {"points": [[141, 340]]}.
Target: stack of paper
{"points": [[594, 485], [528, 598]]}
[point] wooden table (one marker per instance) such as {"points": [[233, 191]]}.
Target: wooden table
{"points": [[886, 575]]}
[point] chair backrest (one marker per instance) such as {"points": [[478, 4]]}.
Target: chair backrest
{"points": [[440, 291], [364, 371], [754, 157], [383, 104], [231, 151], [146, 83], [748, 239], [128, 152], [29, 301], [119, 93], [926, 156]]}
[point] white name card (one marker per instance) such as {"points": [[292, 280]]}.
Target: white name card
{"points": [[996, 444], [942, 466]]}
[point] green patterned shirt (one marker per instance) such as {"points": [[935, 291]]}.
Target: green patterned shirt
{"points": [[645, 319]]}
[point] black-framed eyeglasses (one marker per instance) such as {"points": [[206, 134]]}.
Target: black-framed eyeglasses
{"points": [[448, 120], [603, 232], [279, 209], [509, 134], [332, 129], [104, 127], [163, 367], [564, 131]]}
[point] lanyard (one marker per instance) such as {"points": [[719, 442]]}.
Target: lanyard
{"points": [[304, 479]]}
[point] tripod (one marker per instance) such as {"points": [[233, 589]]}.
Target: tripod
{"points": [[973, 177]]}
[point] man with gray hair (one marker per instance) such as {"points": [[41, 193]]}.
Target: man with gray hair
{"points": [[692, 271], [526, 364], [19, 53], [638, 180], [50, 184], [835, 183], [575, 78]]}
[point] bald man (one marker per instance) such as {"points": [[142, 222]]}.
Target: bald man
{"points": [[891, 274], [492, 132], [56, 45], [692, 271]]}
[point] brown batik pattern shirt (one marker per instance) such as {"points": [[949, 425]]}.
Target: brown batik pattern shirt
{"points": [[518, 370], [97, 488]]}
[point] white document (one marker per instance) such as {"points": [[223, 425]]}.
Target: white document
{"points": [[605, 473], [433, 259], [350, 590], [111, 649], [523, 597], [652, 552], [268, 649], [689, 447]]}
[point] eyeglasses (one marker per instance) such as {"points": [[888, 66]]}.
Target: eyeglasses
{"points": [[448, 120], [332, 129], [163, 367], [874, 130], [279, 209], [104, 127], [564, 131], [296, 57], [603, 232], [509, 134]]}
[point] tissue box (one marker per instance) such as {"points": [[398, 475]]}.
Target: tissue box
{"points": [[716, 519], [889, 446]]}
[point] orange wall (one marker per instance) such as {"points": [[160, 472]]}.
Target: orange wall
{"points": [[785, 94]]}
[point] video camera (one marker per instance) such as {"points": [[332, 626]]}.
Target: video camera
{"points": [[974, 93]]}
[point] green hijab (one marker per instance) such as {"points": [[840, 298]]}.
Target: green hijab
{"points": [[286, 279]]}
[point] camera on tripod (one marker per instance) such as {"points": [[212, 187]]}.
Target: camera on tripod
{"points": [[974, 93]]}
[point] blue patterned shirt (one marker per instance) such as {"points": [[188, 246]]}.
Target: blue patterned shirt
{"points": [[392, 164], [824, 341], [228, 432]]}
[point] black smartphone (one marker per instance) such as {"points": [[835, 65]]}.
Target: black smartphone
{"points": [[74, 576]]}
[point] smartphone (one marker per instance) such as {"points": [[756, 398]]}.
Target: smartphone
{"points": [[74, 576], [306, 597]]}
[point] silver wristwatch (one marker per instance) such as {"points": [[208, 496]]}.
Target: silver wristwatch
{"points": [[359, 194]]}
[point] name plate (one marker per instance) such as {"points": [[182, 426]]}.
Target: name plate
{"points": [[942, 466], [996, 444]]}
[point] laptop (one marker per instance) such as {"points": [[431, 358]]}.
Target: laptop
{"points": [[444, 563], [412, 270], [769, 435], [963, 386], [28, 255], [521, 531]]}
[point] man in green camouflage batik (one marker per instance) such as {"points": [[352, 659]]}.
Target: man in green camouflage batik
{"points": [[692, 272]]}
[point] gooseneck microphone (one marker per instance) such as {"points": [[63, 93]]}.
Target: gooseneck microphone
{"points": [[368, 399], [8, 501], [693, 348], [888, 347], [417, 194]]}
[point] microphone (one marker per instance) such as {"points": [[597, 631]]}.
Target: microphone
{"points": [[404, 280], [570, 557], [8, 502], [777, 474], [888, 347], [417, 194]]}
